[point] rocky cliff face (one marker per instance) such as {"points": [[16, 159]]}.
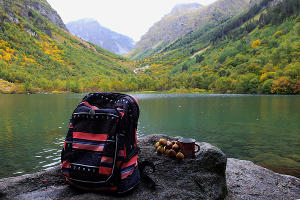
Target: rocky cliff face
{"points": [[90, 30], [210, 175], [25, 6], [46, 11]]}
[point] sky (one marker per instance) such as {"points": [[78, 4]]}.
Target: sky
{"points": [[129, 17]]}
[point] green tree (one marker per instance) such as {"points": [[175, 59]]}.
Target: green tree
{"points": [[223, 84], [266, 87], [199, 58]]}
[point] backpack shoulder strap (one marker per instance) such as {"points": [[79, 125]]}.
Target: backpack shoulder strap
{"points": [[144, 175]]}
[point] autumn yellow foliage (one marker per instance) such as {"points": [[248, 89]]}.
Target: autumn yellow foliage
{"points": [[50, 48], [3, 43], [29, 59], [282, 86], [277, 34], [7, 87], [266, 75], [6, 53], [6, 57], [256, 43]]}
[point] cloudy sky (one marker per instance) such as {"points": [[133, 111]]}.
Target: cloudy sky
{"points": [[129, 17]]}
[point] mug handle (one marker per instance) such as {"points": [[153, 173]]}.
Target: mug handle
{"points": [[198, 147], [179, 144]]}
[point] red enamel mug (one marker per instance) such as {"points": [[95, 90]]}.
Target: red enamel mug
{"points": [[188, 147]]}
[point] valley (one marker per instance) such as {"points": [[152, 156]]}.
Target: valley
{"points": [[245, 47]]}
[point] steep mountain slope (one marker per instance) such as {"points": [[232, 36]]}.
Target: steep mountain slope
{"points": [[254, 52], [40, 6], [90, 30], [182, 21], [37, 55]]}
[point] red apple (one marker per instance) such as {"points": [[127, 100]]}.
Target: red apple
{"points": [[169, 145], [179, 156], [172, 153], [160, 150], [163, 142], [175, 147], [166, 151]]}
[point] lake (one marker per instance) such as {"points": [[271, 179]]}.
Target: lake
{"points": [[263, 129]]}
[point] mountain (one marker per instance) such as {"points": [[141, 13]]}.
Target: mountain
{"points": [[90, 30], [38, 54], [182, 20], [182, 9], [256, 52], [40, 6]]}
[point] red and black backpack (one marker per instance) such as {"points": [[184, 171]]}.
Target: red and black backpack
{"points": [[100, 150]]}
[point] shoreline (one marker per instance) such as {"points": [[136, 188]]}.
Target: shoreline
{"points": [[282, 170], [147, 92], [176, 91], [170, 91]]}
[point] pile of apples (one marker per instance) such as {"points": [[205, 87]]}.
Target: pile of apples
{"points": [[171, 149]]}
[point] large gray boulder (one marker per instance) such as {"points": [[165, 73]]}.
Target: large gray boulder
{"points": [[199, 178], [245, 180]]}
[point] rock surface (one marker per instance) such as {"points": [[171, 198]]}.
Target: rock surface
{"points": [[199, 178], [44, 8], [245, 180]]}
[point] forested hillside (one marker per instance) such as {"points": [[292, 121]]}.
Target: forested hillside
{"points": [[257, 51], [182, 20], [37, 54]]}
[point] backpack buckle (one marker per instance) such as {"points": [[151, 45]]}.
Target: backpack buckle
{"points": [[92, 113]]}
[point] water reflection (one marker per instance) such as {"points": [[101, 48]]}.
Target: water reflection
{"points": [[264, 129], [29, 125]]}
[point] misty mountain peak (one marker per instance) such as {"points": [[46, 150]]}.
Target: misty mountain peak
{"points": [[186, 7], [90, 30]]}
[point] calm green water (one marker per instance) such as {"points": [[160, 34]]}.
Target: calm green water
{"points": [[264, 129]]}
